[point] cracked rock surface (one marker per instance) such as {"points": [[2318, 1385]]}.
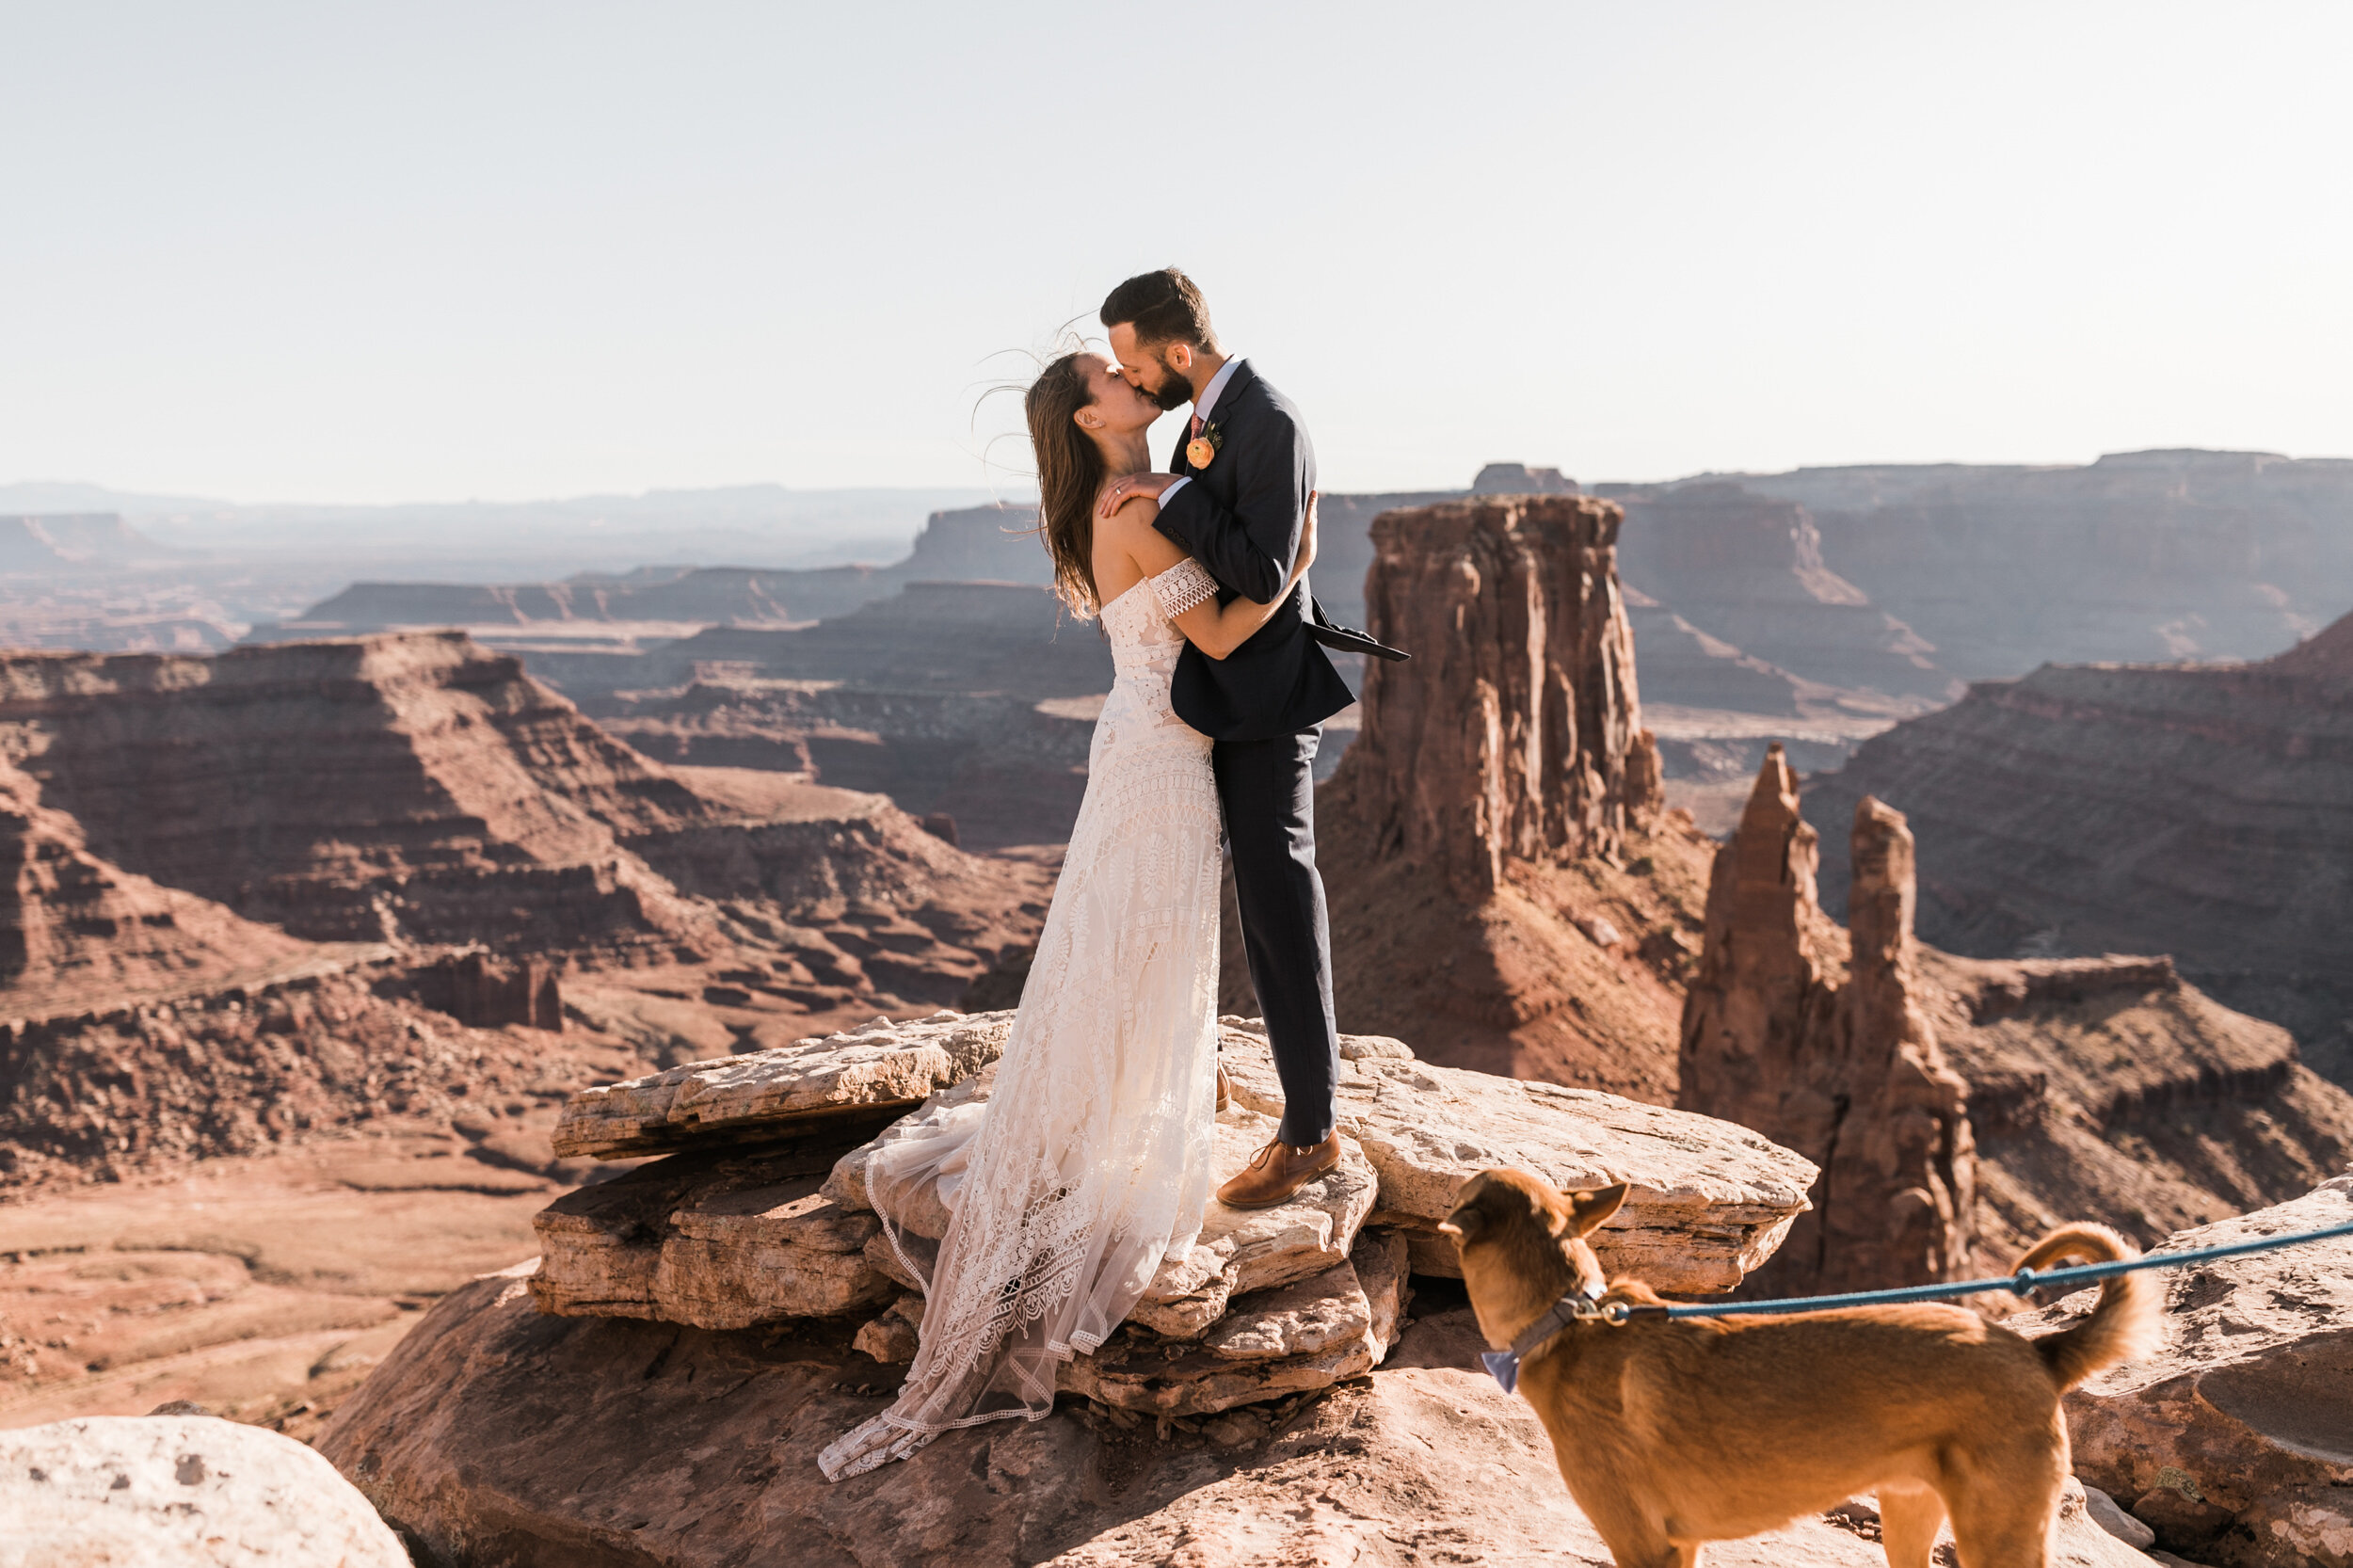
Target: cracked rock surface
{"points": [[2235, 1442]]}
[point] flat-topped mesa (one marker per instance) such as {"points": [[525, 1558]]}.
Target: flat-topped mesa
{"points": [[1515, 729], [1843, 1067], [759, 1214], [414, 786]]}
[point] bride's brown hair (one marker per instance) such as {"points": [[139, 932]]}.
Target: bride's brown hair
{"points": [[1069, 475]]}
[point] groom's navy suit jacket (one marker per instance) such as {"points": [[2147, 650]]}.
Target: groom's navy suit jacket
{"points": [[1241, 519]]}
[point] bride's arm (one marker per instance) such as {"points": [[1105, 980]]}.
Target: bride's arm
{"points": [[1215, 630]]}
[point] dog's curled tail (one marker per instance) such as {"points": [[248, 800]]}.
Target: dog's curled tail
{"points": [[2121, 1326]]}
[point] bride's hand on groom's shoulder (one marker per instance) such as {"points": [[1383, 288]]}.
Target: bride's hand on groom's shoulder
{"points": [[1122, 491]]}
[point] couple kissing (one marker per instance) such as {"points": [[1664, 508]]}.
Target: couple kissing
{"points": [[1090, 1161]]}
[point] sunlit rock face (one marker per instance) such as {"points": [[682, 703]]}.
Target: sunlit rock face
{"points": [[1843, 1068]]}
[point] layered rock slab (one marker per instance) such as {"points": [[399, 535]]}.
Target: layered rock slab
{"points": [[1295, 1338], [179, 1491], [879, 1065], [2235, 1442], [493, 1432], [718, 1239], [731, 1237], [1709, 1201]]}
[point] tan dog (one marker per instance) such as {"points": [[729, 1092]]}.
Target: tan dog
{"points": [[1674, 1434]]}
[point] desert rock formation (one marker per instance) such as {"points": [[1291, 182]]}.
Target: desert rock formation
{"points": [[2103, 1088], [970, 544], [1008, 769], [1504, 887], [2204, 811], [180, 1492], [1844, 1069], [417, 788], [256, 898], [972, 701], [759, 1213], [359, 791], [2141, 555], [2232, 1442], [1748, 571], [76, 932], [1514, 733], [1298, 1416], [686, 1447]]}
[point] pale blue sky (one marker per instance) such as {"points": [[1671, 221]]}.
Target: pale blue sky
{"points": [[424, 250]]}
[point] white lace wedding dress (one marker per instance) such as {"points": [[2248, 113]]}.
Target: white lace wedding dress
{"points": [[1091, 1159]]}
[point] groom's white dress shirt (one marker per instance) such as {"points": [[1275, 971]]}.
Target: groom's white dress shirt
{"points": [[1201, 407]]}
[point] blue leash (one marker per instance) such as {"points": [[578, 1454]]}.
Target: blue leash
{"points": [[1505, 1365]]}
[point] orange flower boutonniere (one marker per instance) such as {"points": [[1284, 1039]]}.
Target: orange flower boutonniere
{"points": [[1204, 448]]}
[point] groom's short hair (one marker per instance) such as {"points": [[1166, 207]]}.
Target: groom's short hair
{"points": [[1163, 306]]}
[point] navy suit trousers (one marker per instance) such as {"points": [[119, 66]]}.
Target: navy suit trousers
{"points": [[1268, 791]]}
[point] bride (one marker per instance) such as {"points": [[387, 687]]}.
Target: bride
{"points": [[1091, 1160]]}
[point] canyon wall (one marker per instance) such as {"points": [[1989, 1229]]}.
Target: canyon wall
{"points": [[410, 786], [2141, 555], [1748, 571], [2204, 811]]}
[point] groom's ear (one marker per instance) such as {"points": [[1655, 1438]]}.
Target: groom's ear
{"points": [[1180, 357]]}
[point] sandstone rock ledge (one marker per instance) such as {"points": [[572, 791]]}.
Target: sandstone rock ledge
{"points": [[656, 1389], [2235, 1443], [760, 1215], [496, 1434]]}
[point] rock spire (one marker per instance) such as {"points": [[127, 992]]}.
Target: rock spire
{"points": [[1822, 1040], [1516, 730]]}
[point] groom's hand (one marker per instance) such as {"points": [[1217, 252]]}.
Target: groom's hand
{"points": [[1125, 490]]}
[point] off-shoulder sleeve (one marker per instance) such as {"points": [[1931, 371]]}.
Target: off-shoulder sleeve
{"points": [[1182, 586]]}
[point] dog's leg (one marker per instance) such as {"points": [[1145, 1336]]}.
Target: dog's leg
{"points": [[2006, 1526], [1908, 1520], [1637, 1541]]}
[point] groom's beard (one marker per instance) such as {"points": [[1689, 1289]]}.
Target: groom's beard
{"points": [[1173, 391]]}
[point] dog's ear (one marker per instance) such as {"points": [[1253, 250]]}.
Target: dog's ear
{"points": [[1470, 1217], [1589, 1210], [1464, 1224]]}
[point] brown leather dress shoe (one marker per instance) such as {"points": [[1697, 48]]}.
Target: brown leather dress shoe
{"points": [[1224, 1089], [1277, 1171]]}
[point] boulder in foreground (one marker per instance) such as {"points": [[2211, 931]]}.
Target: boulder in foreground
{"points": [[497, 1435], [179, 1491], [2235, 1443]]}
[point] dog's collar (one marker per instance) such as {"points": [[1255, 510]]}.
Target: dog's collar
{"points": [[1504, 1365]]}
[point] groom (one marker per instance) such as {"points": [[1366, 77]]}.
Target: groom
{"points": [[1238, 503]]}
